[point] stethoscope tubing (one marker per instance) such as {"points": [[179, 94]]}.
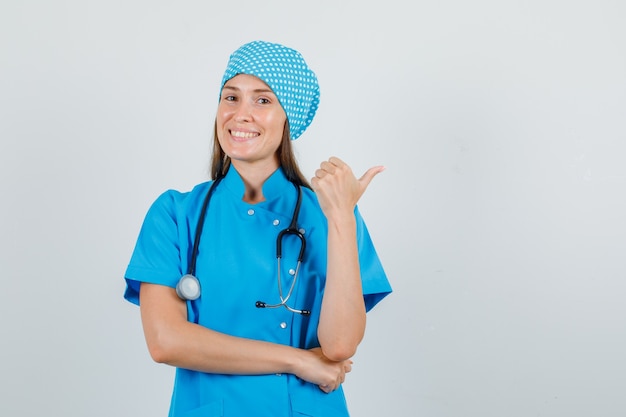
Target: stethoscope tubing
{"points": [[188, 287], [191, 270]]}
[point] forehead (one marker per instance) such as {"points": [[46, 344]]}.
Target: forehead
{"points": [[247, 82]]}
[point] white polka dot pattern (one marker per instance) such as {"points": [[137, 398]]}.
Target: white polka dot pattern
{"points": [[284, 70]]}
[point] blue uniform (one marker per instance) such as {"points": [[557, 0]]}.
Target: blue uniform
{"points": [[237, 266]]}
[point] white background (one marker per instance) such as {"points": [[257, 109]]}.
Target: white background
{"points": [[500, 218]]}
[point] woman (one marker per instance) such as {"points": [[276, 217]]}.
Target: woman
{"points": [[268, 334]]}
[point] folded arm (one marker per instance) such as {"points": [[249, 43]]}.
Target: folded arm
{"points": [[173, 340]]}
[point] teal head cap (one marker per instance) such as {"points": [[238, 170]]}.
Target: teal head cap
{"points": [[284, 70]]}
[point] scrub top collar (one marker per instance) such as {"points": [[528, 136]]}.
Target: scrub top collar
{"points": [[273, 187]]}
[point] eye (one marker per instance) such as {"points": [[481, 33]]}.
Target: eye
{"points": [[229, 98], [263, 100]]}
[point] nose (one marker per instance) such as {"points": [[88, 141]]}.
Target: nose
{"points": [[243, 112]]}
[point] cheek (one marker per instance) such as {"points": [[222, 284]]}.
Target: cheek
{"points": [[220, 116], [277, 121], [224, 111]]}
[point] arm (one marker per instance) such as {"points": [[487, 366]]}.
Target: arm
{"points": [[171, 339], [342, 319]]}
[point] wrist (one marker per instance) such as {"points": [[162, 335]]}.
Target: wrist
{"points": [[294, 360], [342, 221]]}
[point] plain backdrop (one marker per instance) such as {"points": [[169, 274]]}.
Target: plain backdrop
{"points": [[500, 218]]}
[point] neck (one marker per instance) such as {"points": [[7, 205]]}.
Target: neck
{"points": [[253, 178]]}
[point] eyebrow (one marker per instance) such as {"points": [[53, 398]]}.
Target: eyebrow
{"points": [[257, 90]]}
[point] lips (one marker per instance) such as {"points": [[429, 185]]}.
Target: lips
{"points": [[243, 135]]}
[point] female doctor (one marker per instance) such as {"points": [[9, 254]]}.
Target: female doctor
{"points": [[284, 271]]}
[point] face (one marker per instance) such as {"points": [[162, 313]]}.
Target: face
{"points": [[250, 122]]}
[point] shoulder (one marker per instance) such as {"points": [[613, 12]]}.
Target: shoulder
{"points": [[173, 200]]}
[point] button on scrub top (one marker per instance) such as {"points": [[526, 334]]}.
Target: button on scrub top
{"points": [[237, 267]]}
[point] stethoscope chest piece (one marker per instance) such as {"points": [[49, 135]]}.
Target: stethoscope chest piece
{"points": [[188, 287]]}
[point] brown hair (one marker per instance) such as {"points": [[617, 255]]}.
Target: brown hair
{"points": [[220, 162]]}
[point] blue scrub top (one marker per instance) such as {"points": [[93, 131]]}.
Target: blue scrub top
{"points": [[236, 266]]}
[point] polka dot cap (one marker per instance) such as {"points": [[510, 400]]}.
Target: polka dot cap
{"points": [[284, 70]]}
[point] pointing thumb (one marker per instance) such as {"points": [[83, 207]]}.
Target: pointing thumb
{"points": [[369, 175]]}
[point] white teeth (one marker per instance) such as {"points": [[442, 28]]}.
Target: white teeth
{"points": [[245, 135]]}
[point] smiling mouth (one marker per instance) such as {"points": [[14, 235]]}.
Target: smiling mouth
{"points": [[243, 135]]}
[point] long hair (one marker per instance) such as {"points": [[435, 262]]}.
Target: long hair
{"points": [[220, 162]]}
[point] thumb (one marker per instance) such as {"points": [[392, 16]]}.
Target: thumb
{"points": [[365, 180]]}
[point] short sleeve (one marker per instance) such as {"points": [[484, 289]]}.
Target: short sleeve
{"points": [[373, 277], [156, 258]]}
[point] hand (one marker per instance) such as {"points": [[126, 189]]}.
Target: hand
{"points": [[337, 189], [319, 370]]}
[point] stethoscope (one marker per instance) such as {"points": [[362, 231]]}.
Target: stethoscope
{"points": [[188, 287]]}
